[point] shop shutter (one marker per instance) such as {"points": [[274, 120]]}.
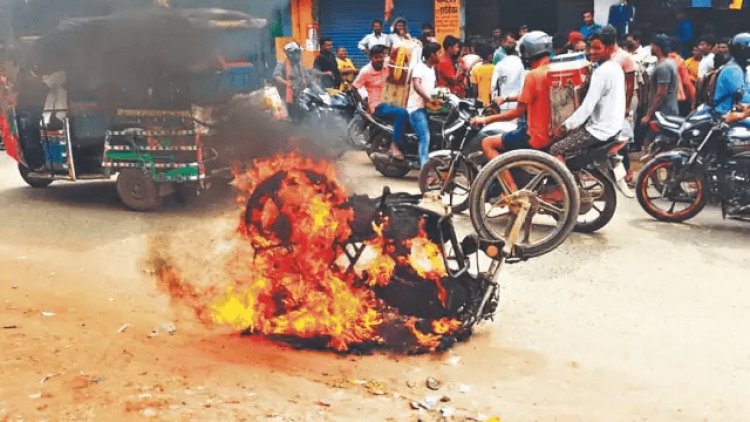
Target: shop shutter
{"points": [[347, 22]]}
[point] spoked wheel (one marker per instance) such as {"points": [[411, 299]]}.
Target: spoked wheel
{"points": [[137, 190], [530, 180], [34, 182], [437, 176], [666, 200], [598, 201]]}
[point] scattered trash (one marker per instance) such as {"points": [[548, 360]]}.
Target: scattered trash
{"points": [[10, 327], [35, 396], [47, 378], [430, 401], [432, 383], [149, 412], [167, 328], [453, 360], [324, 403], [144, 396], [411, 384], [464, 389], [358, 382], [445, 399], [447, 412], [375, 388], [415, 405], [123, 328], [48, 314]]}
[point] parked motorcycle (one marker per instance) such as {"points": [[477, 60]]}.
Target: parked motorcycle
{"points": [[666, 132], [675, 186]]}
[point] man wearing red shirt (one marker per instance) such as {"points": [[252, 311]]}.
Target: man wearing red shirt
{"points": [[448, 70]]}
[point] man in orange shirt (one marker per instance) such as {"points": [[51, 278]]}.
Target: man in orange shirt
{"points": [[685, 88], [534, 102]]}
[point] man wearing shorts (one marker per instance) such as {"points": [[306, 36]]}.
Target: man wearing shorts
{"points": [[534, 102]]}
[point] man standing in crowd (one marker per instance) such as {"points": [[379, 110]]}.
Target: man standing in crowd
{"points": [[423, 83], [449, 72], [589, 26], [629, 69], [377, 37], [663, 81], [707, 44], [574, 37], [399, 33], [600, 116], [497, 38], [428, 34], [346, 67], [481, 75], [507, 80], [372, 78], [534, 102], [685, 89], [327, 65], [291, 78], [693, 63]]}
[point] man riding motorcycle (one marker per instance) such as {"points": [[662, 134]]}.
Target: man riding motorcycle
{"points": [[731, 79], [372, 78], [601, 115], [533, 102]]}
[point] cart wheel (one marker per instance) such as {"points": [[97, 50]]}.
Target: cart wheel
{"points": [[137, 190], [34, 182]]}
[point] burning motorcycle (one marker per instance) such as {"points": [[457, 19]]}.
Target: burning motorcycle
{"points": [[675, 186], [357, 272]]}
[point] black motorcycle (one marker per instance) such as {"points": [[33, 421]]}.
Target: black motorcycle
{"points": [[451, 172], [714, 166], [443, 127], [666, 132]]}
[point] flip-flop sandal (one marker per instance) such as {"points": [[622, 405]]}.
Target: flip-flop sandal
{"points": [[395, 157]]}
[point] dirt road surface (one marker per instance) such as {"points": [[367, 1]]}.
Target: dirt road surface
{"points": [[644, 321]]}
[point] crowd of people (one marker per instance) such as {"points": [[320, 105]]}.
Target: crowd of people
{"points": [[633, 78]]}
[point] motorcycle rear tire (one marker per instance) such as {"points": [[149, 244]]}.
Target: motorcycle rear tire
{"points": [[609, 196], [391, 170], [494, 167], [435, 162]]}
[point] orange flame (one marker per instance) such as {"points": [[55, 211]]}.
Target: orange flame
{"points": [[297, 285]]}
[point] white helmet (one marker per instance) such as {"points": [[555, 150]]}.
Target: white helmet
{"points": [[534, 44], [292, 47]]}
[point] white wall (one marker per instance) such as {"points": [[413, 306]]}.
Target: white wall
{"points": [[601, 10]]}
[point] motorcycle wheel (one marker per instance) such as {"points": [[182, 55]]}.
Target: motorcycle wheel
{"points": [[598, 201], [357, 133], [547, 185], [433, 178], [137, 190], [651, 184], [34, 182]]}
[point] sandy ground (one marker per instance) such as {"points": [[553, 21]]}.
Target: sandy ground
{"points": [[643, 321]]}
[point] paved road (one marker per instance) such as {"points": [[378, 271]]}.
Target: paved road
{"points": [[643, 321]]}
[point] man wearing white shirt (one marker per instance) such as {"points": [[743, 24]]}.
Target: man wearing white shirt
{"points": [[423, 83], [376, 38], [507, 80], [600, 116], [706, 43]]}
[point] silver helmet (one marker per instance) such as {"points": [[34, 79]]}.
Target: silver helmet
{"points": [[534, 44]]}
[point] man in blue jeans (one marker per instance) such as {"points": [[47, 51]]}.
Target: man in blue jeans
{"points": [[423, 81], [372, 78]]}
